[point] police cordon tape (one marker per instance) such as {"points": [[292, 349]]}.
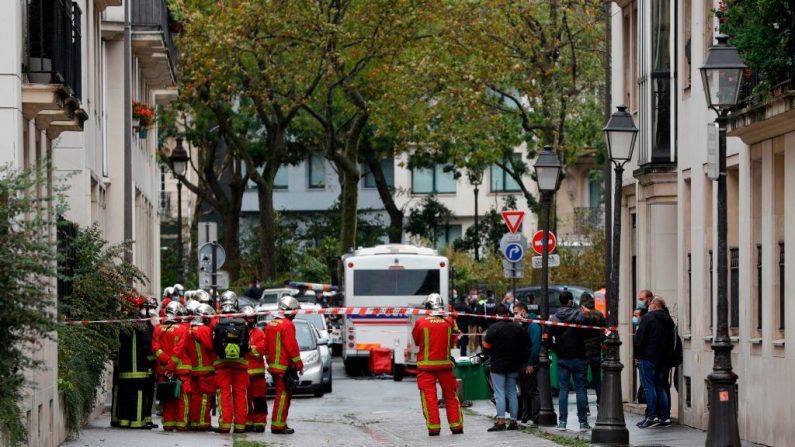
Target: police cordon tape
{"points": [[358, 311]]}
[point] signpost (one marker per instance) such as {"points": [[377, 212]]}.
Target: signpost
{"points": [[554, 261], [513, 247], [211, 257], [538, 242]]}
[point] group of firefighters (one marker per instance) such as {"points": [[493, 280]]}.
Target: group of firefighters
{"points": [[195, 357]]}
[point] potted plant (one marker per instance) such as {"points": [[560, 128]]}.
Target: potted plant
{"points": [[143, 113]]}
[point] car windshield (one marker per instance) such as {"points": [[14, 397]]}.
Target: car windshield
{"points": [[306, 341], [269, 298], [315, 319]]}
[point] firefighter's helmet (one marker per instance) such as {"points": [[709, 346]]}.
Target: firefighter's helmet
{"points": [[174, 309], [202, 296], [151, 302], [434, 301], [179, 290], [190, 295], [192, 306], [168, 291], [229, 298], [202, 314], [249, 313], [289, 303]]}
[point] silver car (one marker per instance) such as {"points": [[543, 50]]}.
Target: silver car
{"points": [[311, 381]]}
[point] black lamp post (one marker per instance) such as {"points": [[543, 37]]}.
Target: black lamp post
{"points": [[548, 168], [475, 179], [722, 76], [611, 428], [179, 165]]}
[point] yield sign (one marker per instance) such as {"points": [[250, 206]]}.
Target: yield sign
{"points": [[513, 219]]}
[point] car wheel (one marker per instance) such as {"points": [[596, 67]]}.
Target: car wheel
{"points": [[327, 386], [336, 350]]}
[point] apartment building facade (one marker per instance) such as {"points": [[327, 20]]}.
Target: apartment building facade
{"points": [[669, 213], [63, 101]]}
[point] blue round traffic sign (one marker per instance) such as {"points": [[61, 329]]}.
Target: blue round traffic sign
{"points": [[514, 252]]}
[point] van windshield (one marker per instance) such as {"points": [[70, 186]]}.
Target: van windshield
{"points": [[395, 282]]}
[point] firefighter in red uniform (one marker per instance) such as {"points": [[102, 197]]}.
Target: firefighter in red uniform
{"points": [[230, 342], [257, 387], [167, 293], [203, 373], [284, 359], [169, 344], [435, 334]]}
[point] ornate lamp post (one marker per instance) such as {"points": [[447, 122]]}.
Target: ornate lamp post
{"points": [[548, 168], [722, 76], [179, 165], [611, 427]]}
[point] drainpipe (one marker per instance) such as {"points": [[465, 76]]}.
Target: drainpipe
{"points": [[128, 181]]}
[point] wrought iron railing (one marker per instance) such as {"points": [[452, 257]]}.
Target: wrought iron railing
{"points": [[759, 86], [153, 15], [53, 44]]}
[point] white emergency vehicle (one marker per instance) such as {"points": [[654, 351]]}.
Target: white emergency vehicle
{"points": [[385, 276]]}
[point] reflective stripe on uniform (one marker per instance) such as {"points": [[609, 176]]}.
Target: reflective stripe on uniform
{"points": [[251, 372], [134, 375], [277, 359]]}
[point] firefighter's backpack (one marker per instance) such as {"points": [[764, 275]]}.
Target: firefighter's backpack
{"points": [[230, 339]]}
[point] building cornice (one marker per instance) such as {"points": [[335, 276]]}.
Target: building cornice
{"points": [[766, 120]]}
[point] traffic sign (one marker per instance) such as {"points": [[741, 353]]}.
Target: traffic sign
{"points": [[513, 219], [553, 261], [513, 273], [221, 280], [513, 252], [508, 265], [206, 256], [538, 242]]}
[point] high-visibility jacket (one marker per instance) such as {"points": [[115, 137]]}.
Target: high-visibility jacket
{"points": [[281, 346], [169, 344], [135, 359], [434, 335], [201, 351], [256, 354]]}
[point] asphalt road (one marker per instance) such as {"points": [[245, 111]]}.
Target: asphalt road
{"points": [[360, 412]]}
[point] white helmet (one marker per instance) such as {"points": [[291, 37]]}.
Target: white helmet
{"points": [[189, 295], [168, 291], [179, 290], [174, 309], [248, 313], [434, 301], [287, 303], [202, 296], [229, 298], [202, 312], [191, 306]]}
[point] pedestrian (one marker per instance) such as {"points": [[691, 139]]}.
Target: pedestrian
{"points": [[254, 291], [528, 379], [320, 300], [487, 308], [593, 345], [284, 361], [569, 345], [508, 301], [509, 348], [231, 343], [644, 300], [435, 335], [654, 347], [169, 345], [473, 327], [462, 321], [203, 373], [257, 386], [133, 368]]}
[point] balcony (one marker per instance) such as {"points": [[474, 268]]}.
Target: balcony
{"points": [[53, 66], [153, 42], [587, 219]]}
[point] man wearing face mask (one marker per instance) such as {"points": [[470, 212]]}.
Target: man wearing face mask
{"points": [[644, 299], [472, 324]]}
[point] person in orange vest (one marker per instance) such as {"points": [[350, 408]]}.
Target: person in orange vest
{"points": [[257, 386], [169, 344], [203, 372], [284, 359], [230, 342], [434, 335]]}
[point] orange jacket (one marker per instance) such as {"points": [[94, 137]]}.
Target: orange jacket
{"points": [[256, 354], [169, 344], [201, 351], [281, 346], [434, 335]]}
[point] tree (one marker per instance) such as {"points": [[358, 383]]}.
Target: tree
{"points": [[425, 219], [489, 232]]}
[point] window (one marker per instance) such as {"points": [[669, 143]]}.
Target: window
{"points": [[661, 81], [387, 167], [501, 180], [734, 281], [395, 282], [687, 42], [711, 288], [316, 166], [596, 190], [282, 178], [447, 236], [689, 292], [758, 309], [432, 180], [631, 55], [781, 301]]}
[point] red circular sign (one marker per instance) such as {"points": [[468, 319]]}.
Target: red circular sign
{"points": [[538, 242]]}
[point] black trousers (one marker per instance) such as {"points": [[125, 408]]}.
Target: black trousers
{"points": [[132, 403], [529, 403]]}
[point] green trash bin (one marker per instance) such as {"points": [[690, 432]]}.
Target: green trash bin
{"points": [[553, 373], [475, 385]]}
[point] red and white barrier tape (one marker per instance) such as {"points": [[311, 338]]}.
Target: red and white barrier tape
{"points": [[358, 311]]}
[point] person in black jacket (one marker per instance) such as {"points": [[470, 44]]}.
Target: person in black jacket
{"points": [[462, 321], [654, 347], [569, 344], [593, 344], [509, 347]]}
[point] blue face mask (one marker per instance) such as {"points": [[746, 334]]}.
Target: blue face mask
{"points": [[641, 304], [635, 321]]}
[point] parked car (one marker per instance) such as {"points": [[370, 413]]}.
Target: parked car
{"points": [[525, 294], [325, 356], [311, 381]]}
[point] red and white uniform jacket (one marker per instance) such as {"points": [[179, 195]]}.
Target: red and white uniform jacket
{"points": [[256, 354], [434, 335], [201, 352], [169, 344], [281, 346]]}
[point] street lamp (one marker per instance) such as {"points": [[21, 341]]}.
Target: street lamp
{"points": [[611, 428], [548, 169], [475, 179], [179, 165], [722, 76]]}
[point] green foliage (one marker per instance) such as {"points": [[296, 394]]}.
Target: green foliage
{"points": [[99, 285], [759, 30], [583, 265], [425, 219], [26, 271], [490, 230]]}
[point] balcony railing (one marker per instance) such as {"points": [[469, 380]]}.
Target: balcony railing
{"points": [[588, 218], [758, 86], [53, 44], [152, 15]]}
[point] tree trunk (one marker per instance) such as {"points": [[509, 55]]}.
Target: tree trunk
{"points": [[395, 230], [267, 221], [349, 198], [192, 266]]}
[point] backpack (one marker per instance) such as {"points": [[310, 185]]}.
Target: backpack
{"points": [[230, 339], [677, 354]]}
